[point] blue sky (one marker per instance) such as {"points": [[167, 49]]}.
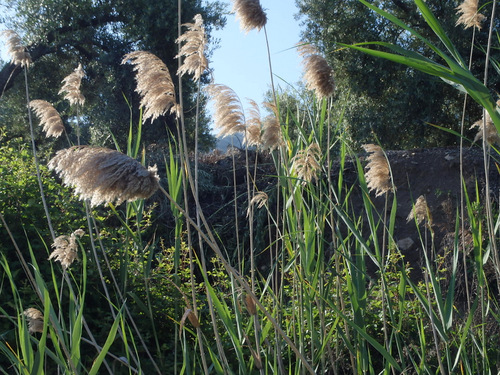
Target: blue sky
{"points": [[241, 61]]}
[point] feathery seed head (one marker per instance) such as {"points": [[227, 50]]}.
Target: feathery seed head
{"points": [[103, 175], [229, 115], [71, 86], [65, 249], [35, 320], [49, 118], [259, 199], [306, 163], [272, 137], [378, 173], [193, 50], [491, 131], [253, 125], [17, 51], [250, 14], [469, 15], [318, 75], [154, 84], [420, 212]]}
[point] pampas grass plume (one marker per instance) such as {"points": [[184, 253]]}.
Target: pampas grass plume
{"points": [[17, 51], [35, 320], [469, 15], [71, 86], [103, 175], [253, 125], [378, 171], [272, 137], [49, 118], [229, 117], [250, 14], [306, 163], [318, 75], [65, 249], [193, 50], [420, 212], [154, 84], [492, 136]]}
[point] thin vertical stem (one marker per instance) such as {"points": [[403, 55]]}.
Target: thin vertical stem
{"points": [[37, 163]]}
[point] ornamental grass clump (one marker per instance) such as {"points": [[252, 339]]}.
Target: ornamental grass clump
{"points": [[49, 118], [469, 16], [104, 176], [15, 49], [377, 174], [318, 75], [193, 49], [250, 14], [154, 85], [71, 87], [65, 249]]}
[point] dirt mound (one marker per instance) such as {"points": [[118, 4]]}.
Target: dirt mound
{"points": [[434, 173]]}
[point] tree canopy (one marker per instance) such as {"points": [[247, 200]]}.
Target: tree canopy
{"points": [[61, 34], [384, 99]]}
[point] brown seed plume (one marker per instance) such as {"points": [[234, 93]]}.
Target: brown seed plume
{"points": [[154, 84], [71, 87], [35, 320], [492, 136], [420, 212], [193, 49], [318, 75], [103, 175], [250, 14], [229, 117], [378, 173], [17, 51], [272, 137], [65, 249], [306, 163], [469, 15], [49, 118]]}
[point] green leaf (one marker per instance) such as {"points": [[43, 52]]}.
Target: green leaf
{"points": [[109, 341]]}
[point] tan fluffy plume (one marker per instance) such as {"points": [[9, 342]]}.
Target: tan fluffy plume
{"points": [[272, 137], [49, 118], [492, 136], [103, 175], [318, 75], [253, 125], [17, 51], [469, 16], [154, 84], [250, 14], [229, 117], [420, 212], [35, 320], [71, 87], [193, 49], [377, 173], [306, 163], [65, 249]]}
